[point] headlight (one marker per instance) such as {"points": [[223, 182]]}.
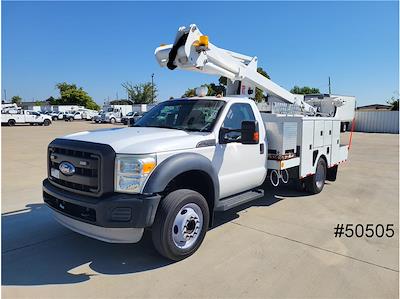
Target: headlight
{"points": [[131, 172]]}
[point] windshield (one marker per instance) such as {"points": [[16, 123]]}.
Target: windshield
{"points": [[129, 114], [110, 109], [188, 115]]}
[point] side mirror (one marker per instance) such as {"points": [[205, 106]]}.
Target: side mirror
{"points": [[247, 134], [250, 133]]}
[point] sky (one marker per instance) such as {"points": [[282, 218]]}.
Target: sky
{"points": [[99, 45]]}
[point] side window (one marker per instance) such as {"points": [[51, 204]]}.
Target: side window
{"points": [[236, 114]]}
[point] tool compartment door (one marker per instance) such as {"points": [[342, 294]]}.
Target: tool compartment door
{"points": [[335, 155], [328, 132], [319, 128], [307, 139]]}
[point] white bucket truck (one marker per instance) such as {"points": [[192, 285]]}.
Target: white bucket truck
{"points": [[25, 117], [114, 113], [183, 160]]}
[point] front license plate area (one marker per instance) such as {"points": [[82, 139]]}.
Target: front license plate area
{"points": [[55, 173]]}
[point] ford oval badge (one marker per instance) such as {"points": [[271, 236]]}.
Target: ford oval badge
{"points": [[66, 168]]}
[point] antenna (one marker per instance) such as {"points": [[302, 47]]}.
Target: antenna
{"points": [[329, 83]]}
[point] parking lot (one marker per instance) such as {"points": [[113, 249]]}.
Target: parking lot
{"points": [[280, 246]]}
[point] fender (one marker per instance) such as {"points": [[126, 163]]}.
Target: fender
{"points": [[176, 165]]}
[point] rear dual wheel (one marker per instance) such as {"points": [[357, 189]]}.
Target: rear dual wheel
{"points": [[180, 224], [315, 183]]}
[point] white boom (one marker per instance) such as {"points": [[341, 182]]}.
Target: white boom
{"points": [[191, 51]]}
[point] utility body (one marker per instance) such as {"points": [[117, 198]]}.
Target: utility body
{"points": [[25, 116], [188, 158]]}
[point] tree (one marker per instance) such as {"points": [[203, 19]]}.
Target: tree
{"points": [[213, 90], [70, 94], [16, 100], [304, 90], [51, 100], [121, 102], [143, 93], [190, 92], [394, 103]]}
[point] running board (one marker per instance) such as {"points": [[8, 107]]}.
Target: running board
{"points": [[238, 199]]}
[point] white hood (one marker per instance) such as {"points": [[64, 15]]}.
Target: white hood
{"points": [[137, 140]]}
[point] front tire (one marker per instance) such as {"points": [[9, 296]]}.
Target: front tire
{"points": [[112, 120], [11, 122], [316, 182], [180, 224], [46, 122]]}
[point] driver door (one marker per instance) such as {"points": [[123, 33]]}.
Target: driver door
{"points": [[30, 117], [240, 166]]}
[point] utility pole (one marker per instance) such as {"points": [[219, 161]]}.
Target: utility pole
{"points": [[5, 95], [152, 87], [329, 83]]}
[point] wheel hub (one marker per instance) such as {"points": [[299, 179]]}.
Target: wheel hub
{"points": [[187, 226]]}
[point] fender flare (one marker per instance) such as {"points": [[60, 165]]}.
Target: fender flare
{"points": [[176, 165]]}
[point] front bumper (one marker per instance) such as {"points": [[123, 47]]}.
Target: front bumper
{"points": [[90, 215]]}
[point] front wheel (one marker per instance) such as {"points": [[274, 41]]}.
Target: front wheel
{"points": [[112, 120], [46, 122], [180, 224], [316, 182], [11, 122]]}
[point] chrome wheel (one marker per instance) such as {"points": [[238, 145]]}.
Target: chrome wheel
{"points": [[187, 226], [320, 176]]}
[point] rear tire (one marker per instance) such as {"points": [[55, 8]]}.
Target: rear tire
{"points": [[46, 122], [11, 122], [180, 224], [315, 183]]}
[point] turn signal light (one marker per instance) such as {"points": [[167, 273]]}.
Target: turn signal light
{"points": [[256, 136]]}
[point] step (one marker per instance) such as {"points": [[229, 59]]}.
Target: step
{"points": [[238, 199]]}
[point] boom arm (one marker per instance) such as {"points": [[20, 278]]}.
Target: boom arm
{"points": [[191, 51]]}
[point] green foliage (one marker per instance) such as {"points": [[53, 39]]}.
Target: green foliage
{"points": [[40, 103], [143, 93], [190, 92], [213, 90], [394, 103], [304, 90], [16, 100], [70, 94], [51, 100], [121, 102]]}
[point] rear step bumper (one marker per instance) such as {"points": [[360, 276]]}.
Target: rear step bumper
{"points": [[238, 199]]}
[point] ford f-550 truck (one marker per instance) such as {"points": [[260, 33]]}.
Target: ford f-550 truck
{"points": [[188, 158]]}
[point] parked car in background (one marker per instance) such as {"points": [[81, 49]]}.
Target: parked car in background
{"points": [[88, 114], [57, 115], [131, 115], [25, 116], [97, 118], [73, 115]]}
